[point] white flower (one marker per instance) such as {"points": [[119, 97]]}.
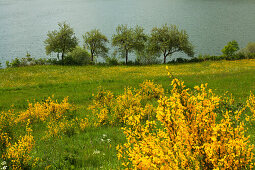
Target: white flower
{"points": [[96, 152], [104, 135], [102, 139], [4, 167], [3, 163], [108, 140]]}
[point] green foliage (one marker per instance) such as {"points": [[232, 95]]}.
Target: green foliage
{"points": [[250, 47], [15, 63], [95, 41], [27, 61], [7, 63], [112, 61], [146, 57], [230, 49], [61, 41], [168, 40], [128, 40], [78, 56]]}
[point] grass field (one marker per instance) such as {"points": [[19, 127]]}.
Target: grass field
{"points": [[91, 149], [18, 85]]}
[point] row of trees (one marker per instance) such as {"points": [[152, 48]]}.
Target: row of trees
{"points": [[162, 41]]}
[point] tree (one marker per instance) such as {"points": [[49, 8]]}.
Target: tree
{"points": [[230, 48], [128, 40], [251, 47], [168, 40], [95, 41], [61, 41]]}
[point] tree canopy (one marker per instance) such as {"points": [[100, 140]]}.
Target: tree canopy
{"points": [[128, 40], [168, 40], [61, 41], [251, 47], [95, 41], [230, 48]]}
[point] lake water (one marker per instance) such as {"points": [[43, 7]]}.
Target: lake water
{"points": [[210, 23]]}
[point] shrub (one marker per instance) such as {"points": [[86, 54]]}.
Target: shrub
{"points": [[15, 63], [110, 110], [68, 60], [78, 56], [187, 135], [18, 154], [55, 118], [48, 109], [150, 90], [40, 61], [53, 61], [6, 129], [7, 63]]}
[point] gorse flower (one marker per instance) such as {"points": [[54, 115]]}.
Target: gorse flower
{"points": [[119, 110], [45, 110], [58, 118], [186, 135], [18, 154], [150, 90]]}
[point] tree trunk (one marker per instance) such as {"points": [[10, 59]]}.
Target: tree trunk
{"points": [[126, 57], [92, 55], [164, 56], [164, 59], [62, 56]]}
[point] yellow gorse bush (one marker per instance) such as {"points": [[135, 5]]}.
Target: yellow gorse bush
{"points": [[58, 118], [82, 123], [187, 135], [44, 110], [18, 154], [6, 128], [118, 110], [251, 104], [150, 90]]}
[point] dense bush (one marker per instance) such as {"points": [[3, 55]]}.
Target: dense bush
{"points": [[187, 135], [28, 61], [79, 56], [117, 110]]}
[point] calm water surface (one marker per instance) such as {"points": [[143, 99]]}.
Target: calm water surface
{"points": [[210, 23]]}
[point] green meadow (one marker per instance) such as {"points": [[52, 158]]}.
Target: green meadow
{"points": [[18, 85], [95, 148]]}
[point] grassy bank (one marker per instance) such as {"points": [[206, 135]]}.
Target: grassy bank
{"points": [[90, 150]]}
